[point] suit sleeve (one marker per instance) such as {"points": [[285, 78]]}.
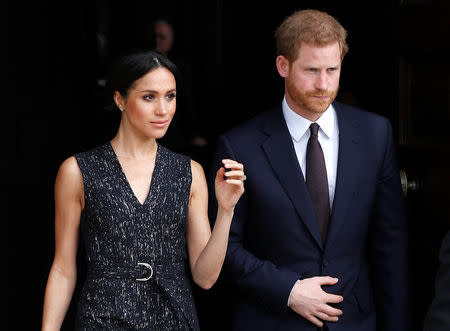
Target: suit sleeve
{"points": [[258, 280], [388, 243], [438, 316]]}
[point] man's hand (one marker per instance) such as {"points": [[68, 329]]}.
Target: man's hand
{"points": [[309, 300]]}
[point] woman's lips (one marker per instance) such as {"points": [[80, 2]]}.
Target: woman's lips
{"points": [[159, 124]]}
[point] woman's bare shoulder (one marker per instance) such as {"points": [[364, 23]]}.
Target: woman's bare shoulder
{"points": [[69, 174]]}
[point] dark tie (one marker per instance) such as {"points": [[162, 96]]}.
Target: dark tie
{"points": [[316, 180]]}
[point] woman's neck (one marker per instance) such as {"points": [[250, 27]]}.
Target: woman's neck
{"points": [[134, 147]]}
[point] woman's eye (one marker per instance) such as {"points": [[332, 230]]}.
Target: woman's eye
{"points": [[149, 97], [171, 96]]}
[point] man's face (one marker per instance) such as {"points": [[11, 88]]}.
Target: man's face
{"points": [[164, 37], [312, 80]]}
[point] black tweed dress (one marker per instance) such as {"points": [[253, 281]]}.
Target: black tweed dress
{"points": [[136, 253]]}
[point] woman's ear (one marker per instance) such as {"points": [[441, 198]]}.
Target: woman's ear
{"points": [[118, 99], [282, 64]]}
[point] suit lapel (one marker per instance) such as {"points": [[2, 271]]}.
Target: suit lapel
{"points": [[347, 170], [280, 153]]}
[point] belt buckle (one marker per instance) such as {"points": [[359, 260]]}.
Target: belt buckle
{"points": [[148, 266]]}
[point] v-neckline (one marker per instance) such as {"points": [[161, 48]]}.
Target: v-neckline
{"points": [[125, 179]]}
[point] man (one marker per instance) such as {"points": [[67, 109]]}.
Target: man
{"points": [[163, 36], [438, 317], [318, 241]]}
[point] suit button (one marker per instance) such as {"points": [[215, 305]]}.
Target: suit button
{"points": [[325, 263]]}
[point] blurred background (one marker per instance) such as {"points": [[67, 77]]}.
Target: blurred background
{"points": [[57, 56]]}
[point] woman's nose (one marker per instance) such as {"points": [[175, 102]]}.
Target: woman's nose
{"points": [[161, 108]]}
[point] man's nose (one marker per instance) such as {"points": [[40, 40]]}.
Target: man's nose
{"points": [[321, 82]]}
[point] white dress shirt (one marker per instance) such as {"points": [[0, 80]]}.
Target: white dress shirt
{"points": [[328, 138]]}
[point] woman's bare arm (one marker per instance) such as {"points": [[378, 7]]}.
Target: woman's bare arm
{"points": [[69, 202], [207, 250]]}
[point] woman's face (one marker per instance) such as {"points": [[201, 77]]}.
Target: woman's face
{"points": [[150, 104]]}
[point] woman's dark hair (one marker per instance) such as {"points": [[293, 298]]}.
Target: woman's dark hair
{"points": [[128, 69]]}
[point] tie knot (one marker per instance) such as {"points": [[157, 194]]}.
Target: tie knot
{"points": [[314, 127]]}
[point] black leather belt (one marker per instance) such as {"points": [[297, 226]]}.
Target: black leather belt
{"points": [[141, 271]]}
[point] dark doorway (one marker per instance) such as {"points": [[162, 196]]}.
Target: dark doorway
{"points": [[421, 46]]}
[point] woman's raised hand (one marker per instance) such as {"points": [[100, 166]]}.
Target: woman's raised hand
{"points": [[229, 184]]}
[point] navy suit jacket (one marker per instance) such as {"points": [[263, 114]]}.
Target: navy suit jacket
{"points": [[275, 240], [438, 316]]}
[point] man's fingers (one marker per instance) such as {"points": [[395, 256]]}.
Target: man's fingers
{"points": [[326, 317], [333, 298], [331, 311], [327, 280], [314, 320], [311, 301]]}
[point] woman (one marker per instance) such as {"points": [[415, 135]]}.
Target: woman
{"points": [[142, 211]]}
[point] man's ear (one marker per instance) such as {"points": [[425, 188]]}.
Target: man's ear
{"points": [[282, 64]]}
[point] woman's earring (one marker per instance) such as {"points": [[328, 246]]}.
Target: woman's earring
{"points": [[121, 109]]}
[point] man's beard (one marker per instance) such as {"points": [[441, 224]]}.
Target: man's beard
{"points": [[307, 100]]}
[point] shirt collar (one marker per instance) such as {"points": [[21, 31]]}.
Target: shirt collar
{"points": [[298, 125]]}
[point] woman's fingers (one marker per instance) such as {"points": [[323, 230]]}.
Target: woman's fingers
{"points": [[236, 174], [234, 171], [234, 181], [231, 164]]}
